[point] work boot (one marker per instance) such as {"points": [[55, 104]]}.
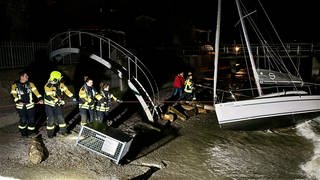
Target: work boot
{"points": [[50, 133], [24, 134], [32, 133], [50, 136], [63, 131]]}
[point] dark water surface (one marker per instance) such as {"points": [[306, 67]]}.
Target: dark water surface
{"points": [[204, 151]]}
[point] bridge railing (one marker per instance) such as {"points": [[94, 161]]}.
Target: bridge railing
{"points": [[105, 49]]}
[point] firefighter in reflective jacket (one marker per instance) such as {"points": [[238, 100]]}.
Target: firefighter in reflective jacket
{"points": [[22, 91], [87, 98], [104, 104], [189, 88], [54, 90], [188, 93]]}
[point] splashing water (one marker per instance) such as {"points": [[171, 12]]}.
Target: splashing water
{"points": [[308, 131]]}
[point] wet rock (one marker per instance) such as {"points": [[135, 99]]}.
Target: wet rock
{"points": [[37, 150]]}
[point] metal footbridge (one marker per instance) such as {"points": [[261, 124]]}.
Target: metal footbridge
{"points": [[115, 58]]}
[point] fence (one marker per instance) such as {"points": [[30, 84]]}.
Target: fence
{"points": [[19, 54], [297, 49]]}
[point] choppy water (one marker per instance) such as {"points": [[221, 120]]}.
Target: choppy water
{"points": [[204, 151]]}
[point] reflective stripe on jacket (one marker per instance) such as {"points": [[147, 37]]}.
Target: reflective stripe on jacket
{"points": [[87, 97], [188, 86], [104, 104], [22, 94], [54, 93]]}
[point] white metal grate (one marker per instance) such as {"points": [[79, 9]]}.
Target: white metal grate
{"points": [[103, 140]]}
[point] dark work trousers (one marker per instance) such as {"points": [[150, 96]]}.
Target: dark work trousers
{"points": [[175, 92], [87, 115], [26, 121], [55, 117], [101, 115]]}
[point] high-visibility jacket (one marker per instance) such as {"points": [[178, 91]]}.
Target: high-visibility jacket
{"points": [[54, 93], [22, 94], [178, 81], [188, 87], [104, 104], [87, 97]]}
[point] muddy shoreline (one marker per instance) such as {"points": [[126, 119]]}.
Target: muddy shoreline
{"points": [[67, 161]]}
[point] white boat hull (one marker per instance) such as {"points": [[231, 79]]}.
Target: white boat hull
{"points": [[255, 109]]}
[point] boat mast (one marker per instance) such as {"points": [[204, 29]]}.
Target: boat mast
{"points": [[216, 53], [255, 73]]}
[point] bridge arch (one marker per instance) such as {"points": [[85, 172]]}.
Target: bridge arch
{"points": [[115, 58]]}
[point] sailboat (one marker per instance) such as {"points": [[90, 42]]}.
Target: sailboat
{"points": [[277, 97]]}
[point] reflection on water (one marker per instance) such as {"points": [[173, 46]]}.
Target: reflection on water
{"points": [[204, 151]]}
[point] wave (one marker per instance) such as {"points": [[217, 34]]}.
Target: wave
{"points": [[308, 130]]}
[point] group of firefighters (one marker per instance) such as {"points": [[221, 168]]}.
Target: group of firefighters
{"points": [[93, 105]]}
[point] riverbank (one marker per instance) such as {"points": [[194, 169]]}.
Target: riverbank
{"points": [[193, 149], [65, 160]]}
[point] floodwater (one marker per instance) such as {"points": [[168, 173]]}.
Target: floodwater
{"points": [[204, 151], [200, 149]]}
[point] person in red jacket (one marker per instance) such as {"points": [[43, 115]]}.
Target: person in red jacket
{"points": [[178, 85]]}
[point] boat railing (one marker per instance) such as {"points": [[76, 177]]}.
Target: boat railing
{"points": [[236, 94]]}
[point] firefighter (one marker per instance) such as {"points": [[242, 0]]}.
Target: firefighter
{"points": [[22, 91], [188, 93], [87, 98], [53, 100], [189, 88], [104, 104]]}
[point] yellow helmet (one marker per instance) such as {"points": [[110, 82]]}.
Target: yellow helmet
{"points": [[55, 76]]}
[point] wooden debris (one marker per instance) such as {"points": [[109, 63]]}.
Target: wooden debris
{"points": [[180, 115], [201, 111], [208, 107], [168, 117], [187, 107], [191, 112]]}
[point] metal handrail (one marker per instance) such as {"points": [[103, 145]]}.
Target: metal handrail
{"points": [[75, 39], [292, 48]]}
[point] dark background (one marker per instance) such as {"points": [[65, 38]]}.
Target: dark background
{"points": [[147, 22], [155, 30]]}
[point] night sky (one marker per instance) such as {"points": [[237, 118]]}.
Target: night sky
{"points": [[295, 20], [159, 20]]}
